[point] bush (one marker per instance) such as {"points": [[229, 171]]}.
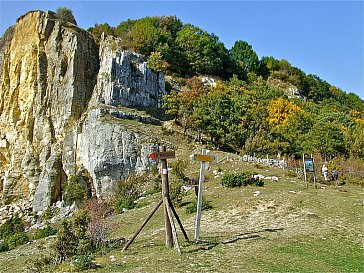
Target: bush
{"points": [[65, 15], [48, 213], [178, 168], [82, 262], [12, 234], [40, 263], [231, 180], [129, 190], [240, 179], [192, 207], [124, 203], [131, 186], [175, 192], [11, 226], [43, 233], [66, 241], [98, 227], [72, 237], [17, 239], [3, 247], [74, 192], [157, 185]]}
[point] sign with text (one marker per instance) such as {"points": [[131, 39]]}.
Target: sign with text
{"points": [[201, 157], [309, 165], [162, 155]]}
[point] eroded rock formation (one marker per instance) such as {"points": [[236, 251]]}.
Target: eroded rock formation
{"points": [[60, 109]]}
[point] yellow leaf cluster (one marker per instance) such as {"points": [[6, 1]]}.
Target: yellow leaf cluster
{"points": [[281, 110]]}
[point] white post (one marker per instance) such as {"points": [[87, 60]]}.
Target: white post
{"points": [[199, 198], [304, 170], [314, 174]]}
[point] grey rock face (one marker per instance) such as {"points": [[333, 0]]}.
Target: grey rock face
{"points": [[125, 79], [110, 152]]}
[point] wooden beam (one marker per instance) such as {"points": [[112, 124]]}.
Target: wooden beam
{"points": [[142, 226]]}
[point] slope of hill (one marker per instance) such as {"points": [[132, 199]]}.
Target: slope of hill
{"points": [[279, 227]]}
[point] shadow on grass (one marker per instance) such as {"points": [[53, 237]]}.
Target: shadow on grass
{"points": [[250, 235], [210, 243]]}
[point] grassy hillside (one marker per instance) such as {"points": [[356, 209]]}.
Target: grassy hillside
{"points": [[281, 228]]}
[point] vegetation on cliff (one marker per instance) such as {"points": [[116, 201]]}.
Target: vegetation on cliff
{"points": [[258, 105]]}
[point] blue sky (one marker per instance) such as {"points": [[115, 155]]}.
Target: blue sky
{"points": [[324, 38]]}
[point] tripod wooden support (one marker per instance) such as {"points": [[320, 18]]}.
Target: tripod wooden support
{"points": [[169, 211]]}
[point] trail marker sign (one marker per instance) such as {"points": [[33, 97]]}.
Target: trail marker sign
{"points": [[163, 155], [202, 157]]}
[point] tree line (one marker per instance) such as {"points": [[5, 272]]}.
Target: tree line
{"points": [[250, 108]]}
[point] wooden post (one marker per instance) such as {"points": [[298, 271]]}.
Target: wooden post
{"points": [[165, 195], [199, 198], [179, 222], [170, 228], [173, 227], [144, 223], [304, 171]]}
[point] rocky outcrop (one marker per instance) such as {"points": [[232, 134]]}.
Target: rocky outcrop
{"points": [[60, 109], [125, 79], [48, 73]]}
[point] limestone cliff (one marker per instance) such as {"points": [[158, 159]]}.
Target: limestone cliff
{"points": [[56, 88]]}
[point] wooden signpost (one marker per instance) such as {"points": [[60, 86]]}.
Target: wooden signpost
{"points": [[203, 158], [163, 155], [169, 211]]}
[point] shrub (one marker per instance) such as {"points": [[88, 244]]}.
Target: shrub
{"points": [[240, 179], [65, 15], [45, 232], [3, 247], [12, 234], [124, 203], [131, 186], [192, 207], [83, 262], [128, 191], [48, 213], [74, 192], [17, 239], [175, 191], [11, 226], [231, 180], [72, 237], [156, 62], [40, 263], [98, 226], [258, 182], [157, 185], [66, 241], [178, 168]]}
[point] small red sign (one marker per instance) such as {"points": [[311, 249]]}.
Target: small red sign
{"points": [[162, 155]]}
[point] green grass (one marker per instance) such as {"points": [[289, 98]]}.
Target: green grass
{"points": [[285, 228]]}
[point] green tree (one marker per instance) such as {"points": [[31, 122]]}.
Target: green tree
{"points": [[145, 37], [204, 52], [326, 139], [98, 29], [65, 15], [244, 57], [182, 105], [220, 114], [156, 62]]}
